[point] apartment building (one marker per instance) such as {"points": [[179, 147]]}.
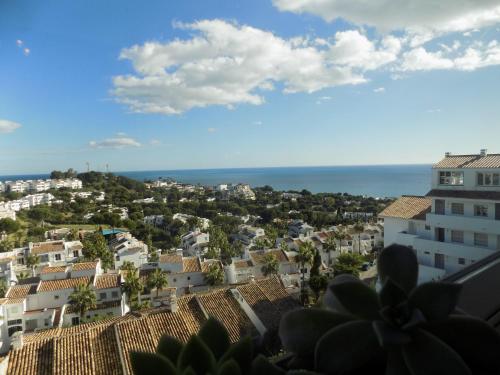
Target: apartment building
{"points": [[195, 243], [458, 222]]}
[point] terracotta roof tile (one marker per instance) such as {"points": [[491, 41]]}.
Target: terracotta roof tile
{"points": [[84, 266], [107, 281], [491, 161], [34, 358], [55, 269], [47, 247], [408, 207], [73, 355], [258, 256], [170, 258], [191, 264], [21, 291], [243, 263], [51, 285], [205, 265]]}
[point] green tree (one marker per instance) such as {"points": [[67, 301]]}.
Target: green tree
{"points": [[32, 260], [237, 248], [318, 284], [305, 256], [348, 263], [83, 299], [329, 247], [95, 247], [215, 275], [128, 266], [358, 229], [9, 226], [316, 264], [5, 246], [157, 280], [3, 288], [340, 236], [271, 265], [132, 285], [218, 245]]}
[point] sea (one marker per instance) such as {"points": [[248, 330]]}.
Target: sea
{"points": [[375, 181]]}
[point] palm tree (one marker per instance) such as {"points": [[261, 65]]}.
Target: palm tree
{"points": [[340, 236], [128, 266], [32, 260], [3, 288], [83, 299], [306, 255], [215, 275], [132, 285], [330, 245], [157, 280], [271, 265], [358, 229]]}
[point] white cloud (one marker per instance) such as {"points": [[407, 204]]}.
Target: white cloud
{"points": [[19, 42], [121, 134], [211, 130], [224, 64], [26, 51], [154, 142], [434, 110], [413, 15], [257, 122], [379, 90], [7, 126], [119, 142], [473, 57]]}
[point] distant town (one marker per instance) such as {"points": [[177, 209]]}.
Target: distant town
{"points": [[139, 246]]}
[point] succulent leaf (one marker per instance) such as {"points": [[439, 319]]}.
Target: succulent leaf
{"points": [[241, 352], [395, 363], [436, 300], [428, 355], [261, 366], [398, 263], [301, 329], [346, 348], [356, 297], [151, 364], [198, 356], [169, 347], [389, 336], [392, 294], [229, 368], [215, 336], [476, 341]]}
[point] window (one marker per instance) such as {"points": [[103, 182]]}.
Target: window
{"points": [[481, 239], [451, 178], [427, 227], [114, 294], [102, 296], [46, 322], [14, 329], [58, 256], [56, 297], [457, 236], [488, 179], [461, 261], [75, 254], [480, 210], [14, 322], [75, 320], [189, 277], [457, 208]]}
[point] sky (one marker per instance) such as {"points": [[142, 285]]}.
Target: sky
{"points": [[157, 84]]}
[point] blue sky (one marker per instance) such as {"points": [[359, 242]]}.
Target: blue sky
{"points": [[215, 84]]}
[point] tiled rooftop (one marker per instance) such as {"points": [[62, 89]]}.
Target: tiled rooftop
{"points": [[21, 291], [408, 207], [191, 264], [47, 247], [84, 266], [170, 258], [55, 269], [51, 285], [258, 256], [97, 348], [469, 161], [107, 281]]}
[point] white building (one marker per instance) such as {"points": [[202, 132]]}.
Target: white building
{"points": [[248, 234], [300, 229], [204, 223], [56, 252], [458, 222], [195, 243], [7, 213], [127, 248], [154, 220]]}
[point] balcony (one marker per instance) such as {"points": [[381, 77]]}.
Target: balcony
{"points": [[465, 223], [452, 249]]}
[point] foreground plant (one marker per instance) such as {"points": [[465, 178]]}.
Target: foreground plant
{"points": [[404, 329]]}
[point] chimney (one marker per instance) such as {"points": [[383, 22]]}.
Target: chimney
{"points": [[172, 301], [16, 340], [483, 152], [447, 154]]}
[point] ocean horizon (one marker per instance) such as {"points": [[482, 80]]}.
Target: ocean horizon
{"points": [[369, 180]]}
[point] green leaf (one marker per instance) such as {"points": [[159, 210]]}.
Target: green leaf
{"points": [[261, 366], [169, 347], [241, 352], [230, 368], [151, 364], [301, 329], [476, 341], [398, 263], [396, 364], [389, 336], [346, 348], [436, 300], [198, 356], [188, 371], [215, 335], [428, 355], [356, 297], [391, 294]]}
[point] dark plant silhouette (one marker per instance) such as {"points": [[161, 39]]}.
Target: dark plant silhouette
{"points": [[403, 329]]}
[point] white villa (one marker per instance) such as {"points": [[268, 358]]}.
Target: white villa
{"points": [[458, 222], [195, 243]]}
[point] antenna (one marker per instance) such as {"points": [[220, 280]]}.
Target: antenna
{"points": [[88, 166], [107, 168]]}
